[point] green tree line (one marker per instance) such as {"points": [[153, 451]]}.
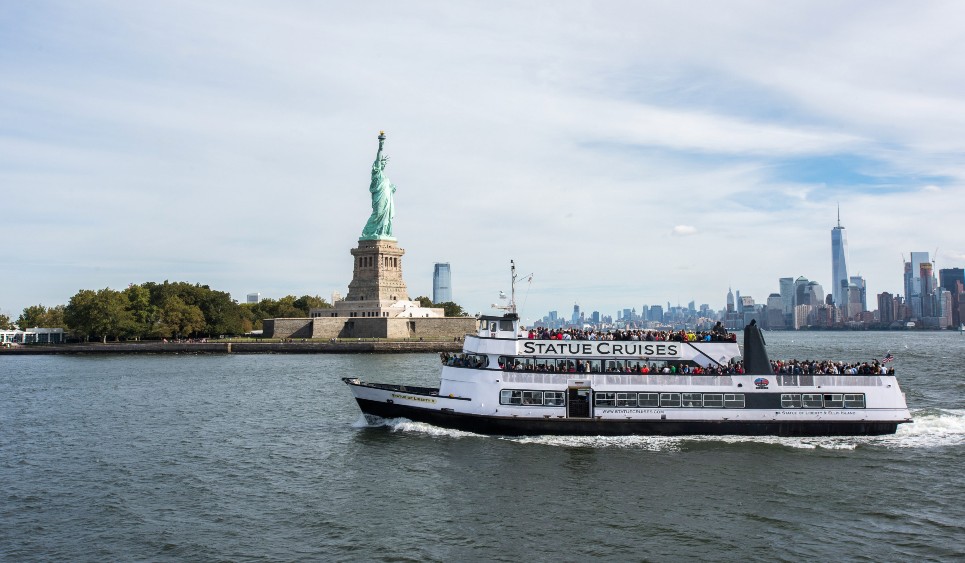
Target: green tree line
{"points": [[160, 310]]}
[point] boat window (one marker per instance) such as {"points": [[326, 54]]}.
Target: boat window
{"points": [[713, 400], [532, 397], [492, 327], [811, 401], [670, 399], [733, 400], [605, 399], [626, 399], [506, 325], [596, 366], [553, 398], [790, 401], [855, 401], [835, 401], [613, 366], [691, 399], [510, 397], [477, 360], [648, 399]]}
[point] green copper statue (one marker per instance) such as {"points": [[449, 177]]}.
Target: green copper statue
{"points": [[379, 225]]}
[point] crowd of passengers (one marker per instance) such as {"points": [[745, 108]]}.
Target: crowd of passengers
{"points": [[579, 366], [716, 334], [778, 367], [814, 367]]}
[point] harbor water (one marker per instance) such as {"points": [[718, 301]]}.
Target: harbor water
{"points": [[257, 458]]}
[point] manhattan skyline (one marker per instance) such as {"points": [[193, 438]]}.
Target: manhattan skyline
{"points": [[624, 154]]}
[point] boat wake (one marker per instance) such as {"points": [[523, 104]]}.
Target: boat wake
{"points": [[406, 425], [932, 428]]}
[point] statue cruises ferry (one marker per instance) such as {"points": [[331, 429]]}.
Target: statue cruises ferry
{"points": [[508, 383]]}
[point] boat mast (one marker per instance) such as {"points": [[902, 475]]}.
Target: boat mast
{"points": [[512, 288]]}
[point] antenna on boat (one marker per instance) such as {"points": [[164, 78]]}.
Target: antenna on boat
{"points": [[512, 292], [512, 299]]}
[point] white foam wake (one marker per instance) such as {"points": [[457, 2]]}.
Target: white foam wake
{"points": [[931, 428], [406, 425]]}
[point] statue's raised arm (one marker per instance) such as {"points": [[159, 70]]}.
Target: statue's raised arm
{"points": [[379, 225]]}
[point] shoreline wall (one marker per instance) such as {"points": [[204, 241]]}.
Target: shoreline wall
{"points": [[363, 347]]}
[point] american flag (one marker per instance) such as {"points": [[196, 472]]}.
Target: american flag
{"points": [[888, 358]]}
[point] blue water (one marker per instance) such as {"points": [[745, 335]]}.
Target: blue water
{"points": [[265, 458]]}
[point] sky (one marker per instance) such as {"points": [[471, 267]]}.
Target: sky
{"points": [[623, 153]]}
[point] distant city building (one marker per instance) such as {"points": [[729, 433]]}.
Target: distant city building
{"points": [[254, 298], [944, 308], [656, 314], [787, 294], [929, 301], [913, 291], [775, 312], [953, 279], [862, 286], [839, 264], [336, 296], [886, 308], [730, 300], [442, 283]]}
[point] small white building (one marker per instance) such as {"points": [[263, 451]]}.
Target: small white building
{"points": [[34, 335]]}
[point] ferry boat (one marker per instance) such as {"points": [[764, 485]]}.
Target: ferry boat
{"points": [[508, 383]]}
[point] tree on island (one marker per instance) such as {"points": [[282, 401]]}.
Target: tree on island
{"points": [[162, 310], [5, 323], [39, 316], [451, 309]]}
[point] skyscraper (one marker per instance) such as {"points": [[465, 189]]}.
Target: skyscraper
{"points": [[787, 294], [913, 292], [953, 279], [862, 286], [839, 264], [442, 283], [886, 307]]}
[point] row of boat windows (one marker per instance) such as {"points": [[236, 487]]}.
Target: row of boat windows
{"points": [[690, 400], [536, 398], [626, 400], [709, 400], [818, 400]]}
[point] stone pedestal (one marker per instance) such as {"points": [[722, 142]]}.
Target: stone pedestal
{"points": [[376, 279]]}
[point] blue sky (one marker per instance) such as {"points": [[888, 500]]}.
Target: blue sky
{"points": [[624, 152]]}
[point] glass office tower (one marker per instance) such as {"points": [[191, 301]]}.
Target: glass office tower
{"points": [[442, 283]]}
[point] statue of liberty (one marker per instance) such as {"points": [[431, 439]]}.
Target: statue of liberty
{"points": [[379, 225]]}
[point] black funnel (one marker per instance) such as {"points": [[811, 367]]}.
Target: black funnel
{"points": [[756, 361]]}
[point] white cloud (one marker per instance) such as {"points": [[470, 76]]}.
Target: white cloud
{"points": [[684, 230]]}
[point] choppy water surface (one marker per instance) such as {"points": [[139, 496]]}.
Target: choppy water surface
{"points": [[266, 458]]}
